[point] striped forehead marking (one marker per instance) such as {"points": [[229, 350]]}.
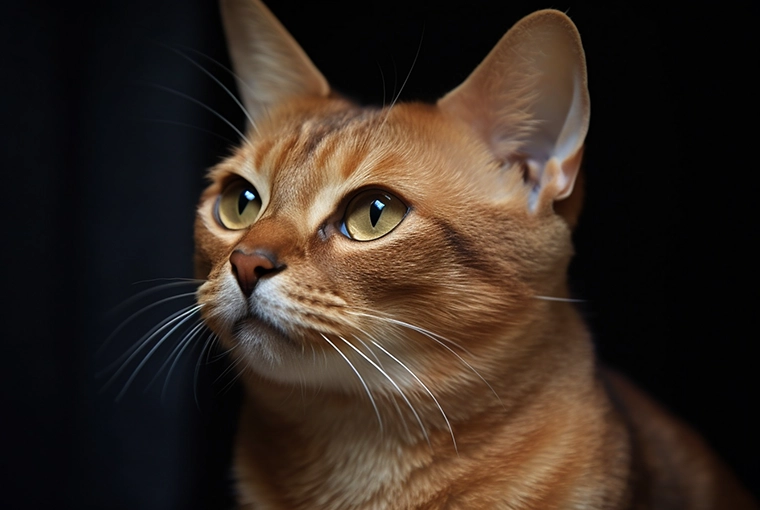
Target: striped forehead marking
{"points": [[311, 166]]}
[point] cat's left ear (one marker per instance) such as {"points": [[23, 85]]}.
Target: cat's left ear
{"points": [[529, 102], [267, 60]]}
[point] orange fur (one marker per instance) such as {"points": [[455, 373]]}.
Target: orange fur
{"points": [[426, 368]]}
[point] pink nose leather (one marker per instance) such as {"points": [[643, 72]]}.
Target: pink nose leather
{"points": [[249, 268]]}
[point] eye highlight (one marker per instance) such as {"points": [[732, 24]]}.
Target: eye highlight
{"points": [[372, 214], [238, 206]]}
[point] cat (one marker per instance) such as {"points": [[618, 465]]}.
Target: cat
{"points": [[390, 283]]}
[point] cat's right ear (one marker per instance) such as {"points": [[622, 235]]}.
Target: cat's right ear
{"points": [[528, 101], [270, 65]]}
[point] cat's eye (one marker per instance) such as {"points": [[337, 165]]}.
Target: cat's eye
{"points": [[238, 206], [371, 214]]}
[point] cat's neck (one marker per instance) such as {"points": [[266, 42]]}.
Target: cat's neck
{"points": [[328, 443]]}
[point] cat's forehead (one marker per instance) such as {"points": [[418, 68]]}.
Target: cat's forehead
{"points": [[309, 160], [306, 161], [310, 150]]}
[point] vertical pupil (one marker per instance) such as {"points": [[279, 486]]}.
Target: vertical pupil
{"points": [[375, 210], [245, 198]]}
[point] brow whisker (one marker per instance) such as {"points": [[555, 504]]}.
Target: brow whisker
{"points": [[401, 90], [411, 68], [240, 82], [218, 82], [201, 104], [190, 126]]}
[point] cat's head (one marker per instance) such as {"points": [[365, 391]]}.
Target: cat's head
{"points": [[339, 238]]}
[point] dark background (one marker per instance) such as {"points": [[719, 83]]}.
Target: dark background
{"points": [[103, 166]]}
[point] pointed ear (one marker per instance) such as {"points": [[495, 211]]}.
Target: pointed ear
{"points": [[268, 61], [529, 102]]}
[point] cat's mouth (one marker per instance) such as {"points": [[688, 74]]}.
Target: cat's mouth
{"points": [[286, 356], [253, 323], [253, 328]]}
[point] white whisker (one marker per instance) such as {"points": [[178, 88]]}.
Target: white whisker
{"points": [[187, 337], [140, 312], [377, 359], [390, 379], [170, 279], [223, 354], [138, 345], [361, 379], [235, 378], [175, 355], [418, 329], [206, 345], [439, 340], [564, 300], [395, 403], [185, 316], [230, 366], [445, 418]]}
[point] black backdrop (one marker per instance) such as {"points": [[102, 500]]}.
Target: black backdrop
{"points": [[102, 171]]}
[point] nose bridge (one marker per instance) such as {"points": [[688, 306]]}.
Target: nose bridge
{"points": [[284, 227], [276, 236]]}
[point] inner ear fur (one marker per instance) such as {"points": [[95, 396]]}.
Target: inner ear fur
{"points": [[528, 100]]}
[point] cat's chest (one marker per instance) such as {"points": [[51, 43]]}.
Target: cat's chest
{"points": [[352, 470], [333, 456]]}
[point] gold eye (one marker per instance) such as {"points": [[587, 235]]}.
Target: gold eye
{"points": [[372, 214], [238, 206]]}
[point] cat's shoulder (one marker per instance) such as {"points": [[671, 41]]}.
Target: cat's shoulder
{"points": [[672, 465]]}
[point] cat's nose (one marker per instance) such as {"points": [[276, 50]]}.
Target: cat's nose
{"points": [[249, 268]]}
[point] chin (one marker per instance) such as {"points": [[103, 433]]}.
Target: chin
{"points": [[276, 356]]}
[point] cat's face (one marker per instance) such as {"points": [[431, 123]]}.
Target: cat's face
{"points": [[338, 236]]}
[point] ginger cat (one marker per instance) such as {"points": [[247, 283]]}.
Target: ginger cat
{"points": [[391, 285]]}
